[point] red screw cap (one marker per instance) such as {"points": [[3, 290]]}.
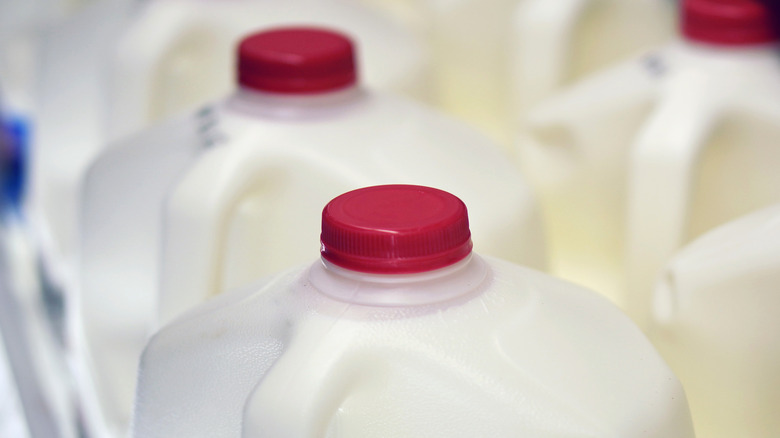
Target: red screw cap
{"points": [[728, 22], [298, 60], [395, 229]]}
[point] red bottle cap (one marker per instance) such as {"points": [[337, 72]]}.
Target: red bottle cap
{"points": [[298, 60], [395, 229], [728, 22]]}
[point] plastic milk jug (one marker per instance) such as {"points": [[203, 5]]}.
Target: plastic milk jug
{"points": [[715, 319], [233, 193], [143, 62], [401, 331], [658, 150]]}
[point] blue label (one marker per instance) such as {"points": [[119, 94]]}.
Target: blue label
{"points": [[17, 135]]}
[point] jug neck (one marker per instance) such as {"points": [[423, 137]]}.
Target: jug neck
{"points": [[468, 276], [265, 104]]}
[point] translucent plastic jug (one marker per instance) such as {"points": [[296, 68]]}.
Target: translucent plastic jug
{"points": [[141, 63], [658, 150], [401, 331], [715, 319], [232, 193]]}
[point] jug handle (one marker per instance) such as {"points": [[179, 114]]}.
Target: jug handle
{"points": [[191, 242], [661, 172], [134, 68], [542, 33], [304, 405]]}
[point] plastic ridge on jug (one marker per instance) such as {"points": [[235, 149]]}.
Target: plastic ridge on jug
{"points": [[633, 162], [401, 331], [715, 321], [231, 194]]}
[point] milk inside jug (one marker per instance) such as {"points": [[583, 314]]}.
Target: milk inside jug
{"points": [[143, 62], [400, 330], [232, 193], [648, 154], [714, 319]]}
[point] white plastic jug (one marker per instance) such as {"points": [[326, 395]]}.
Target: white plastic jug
{"points": [[658, 150], [400, 331], [232, 193], [715, 320], [141, 63]]}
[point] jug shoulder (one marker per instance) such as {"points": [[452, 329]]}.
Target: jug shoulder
{"points": [[494, 346]]}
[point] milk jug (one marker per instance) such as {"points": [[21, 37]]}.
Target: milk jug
{"points": [[232, 193], [400, 330], [142, 62], [648, 154], [714, 318]]}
